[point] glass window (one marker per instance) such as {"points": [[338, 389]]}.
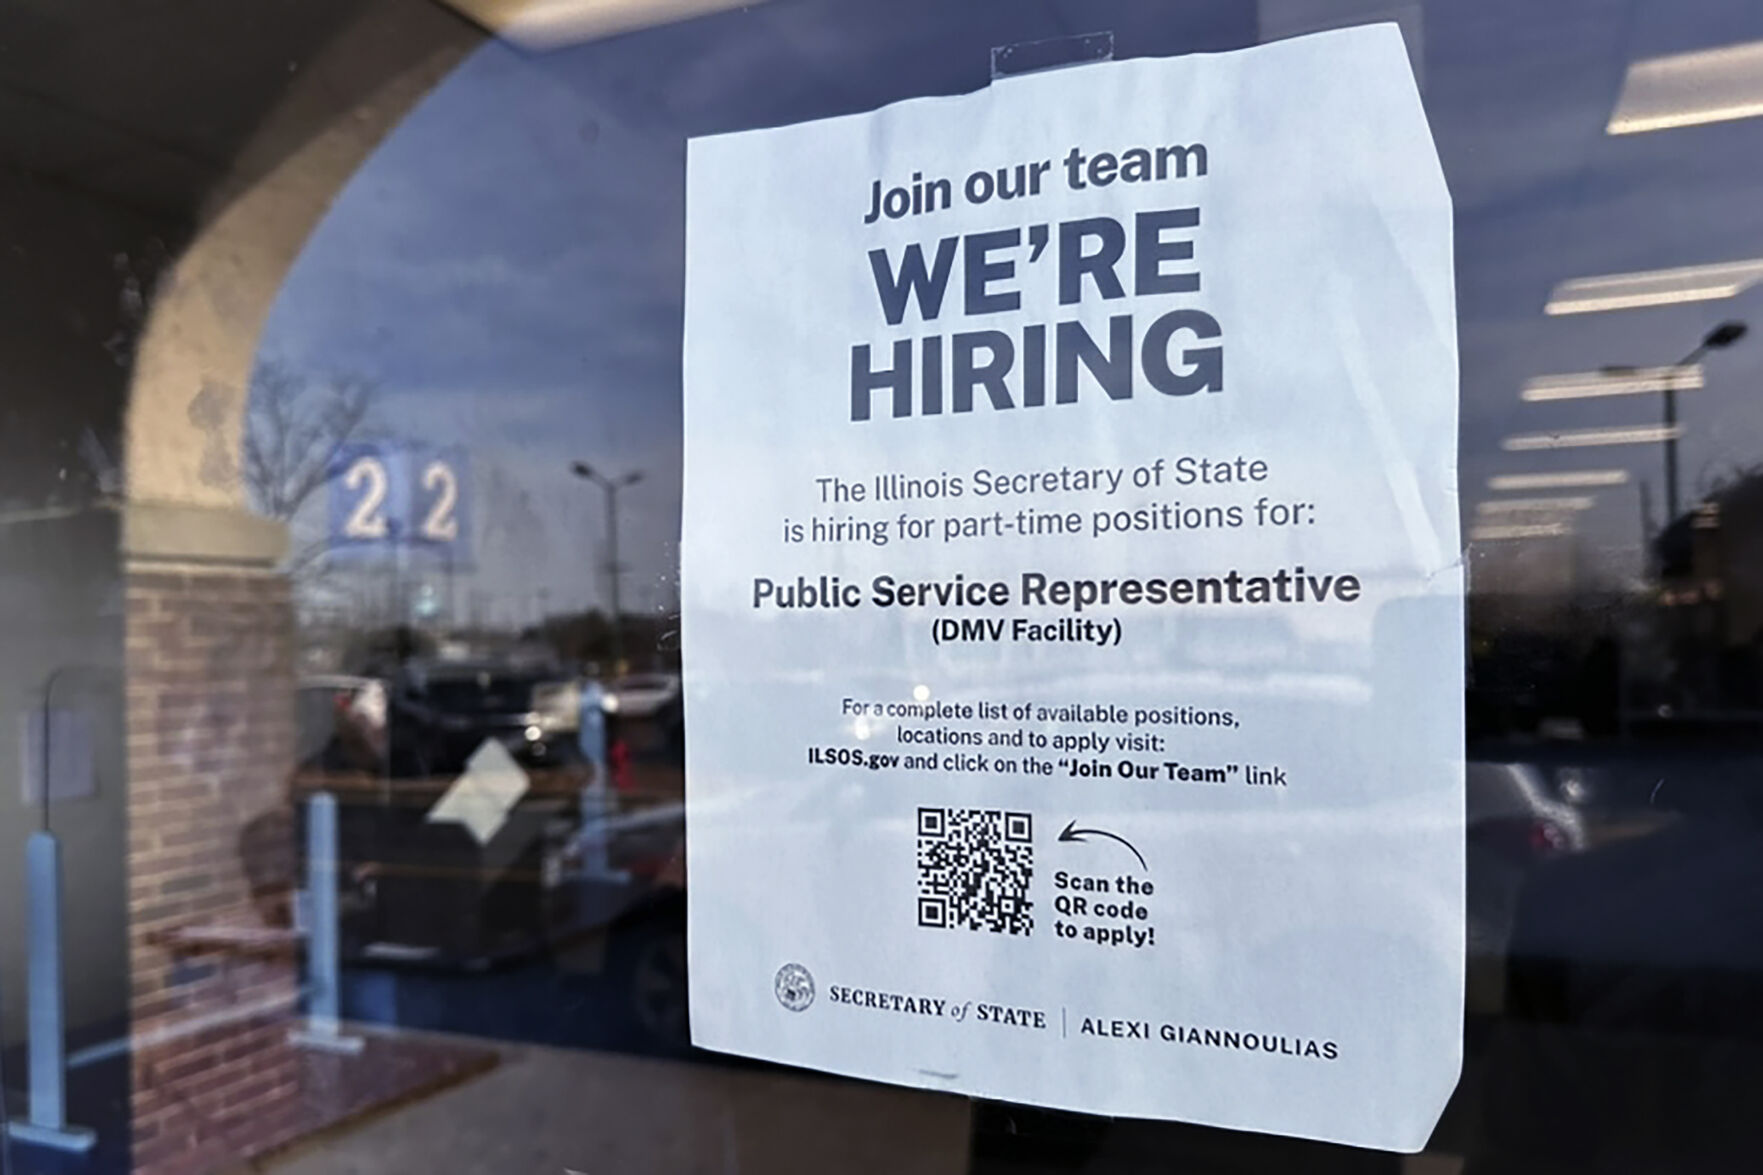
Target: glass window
{"points": [[345, 793]]}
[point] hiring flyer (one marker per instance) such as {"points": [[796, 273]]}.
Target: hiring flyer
{"points": [[1072, 603]]}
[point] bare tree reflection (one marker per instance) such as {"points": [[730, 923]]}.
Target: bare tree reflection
{"points": [[295, 425]]}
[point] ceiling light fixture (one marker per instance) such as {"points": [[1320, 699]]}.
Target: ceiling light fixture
{"points": [[1655, 287], [1537, 530], [1584, 385], [1645, 434], [1558, 481], [1686, 89], [552, 24], [1535, 505]]}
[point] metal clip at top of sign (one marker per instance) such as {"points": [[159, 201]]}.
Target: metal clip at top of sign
{"points": [[1023, 57]]}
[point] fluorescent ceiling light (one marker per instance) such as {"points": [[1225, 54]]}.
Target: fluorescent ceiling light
{"points": [[1558, 481], [551, 24], [1656, 287], [1684, 89], [1537, 530], [1642, 435], [1535, 505], [1581, 385]]}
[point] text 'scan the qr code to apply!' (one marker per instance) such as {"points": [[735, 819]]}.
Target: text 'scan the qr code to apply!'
{"points": [[1071, 595]]}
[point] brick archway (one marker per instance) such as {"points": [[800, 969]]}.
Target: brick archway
{"points": [[208, 649]]}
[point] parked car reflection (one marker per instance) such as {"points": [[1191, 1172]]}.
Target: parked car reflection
{"points": [[485, 839], [643, 694], [1633, 979]]}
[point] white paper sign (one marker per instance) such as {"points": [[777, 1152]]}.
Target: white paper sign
{"points": [[1073, 611]]}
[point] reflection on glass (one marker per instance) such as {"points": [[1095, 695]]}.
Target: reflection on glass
{"points": [[1519, 530], [1660, 287], [481, 666], [1535, 505], [1612, 382], [1569, 479], [1685, 89], [1579, 438]]}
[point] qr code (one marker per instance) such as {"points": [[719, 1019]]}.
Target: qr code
{"points": [[974, 866]]}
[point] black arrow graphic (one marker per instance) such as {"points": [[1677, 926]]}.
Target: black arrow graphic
{"points": [[1073, 832]]}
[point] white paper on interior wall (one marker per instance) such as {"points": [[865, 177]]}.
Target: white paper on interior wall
{"points": [[1072, 607]]}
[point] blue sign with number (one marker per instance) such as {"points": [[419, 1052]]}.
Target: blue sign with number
{"points": [[389, 494]]}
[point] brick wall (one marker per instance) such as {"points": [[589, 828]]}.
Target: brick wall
{"points": [[210, 751]]}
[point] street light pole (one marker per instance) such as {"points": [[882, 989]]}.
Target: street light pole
{"points": [[1724, 335], [1671, 433], [614, 571]]}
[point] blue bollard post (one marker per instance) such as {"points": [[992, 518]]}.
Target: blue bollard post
{"points": [[591, 725], [598, 805], [47, 1123], [323, 966]]}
